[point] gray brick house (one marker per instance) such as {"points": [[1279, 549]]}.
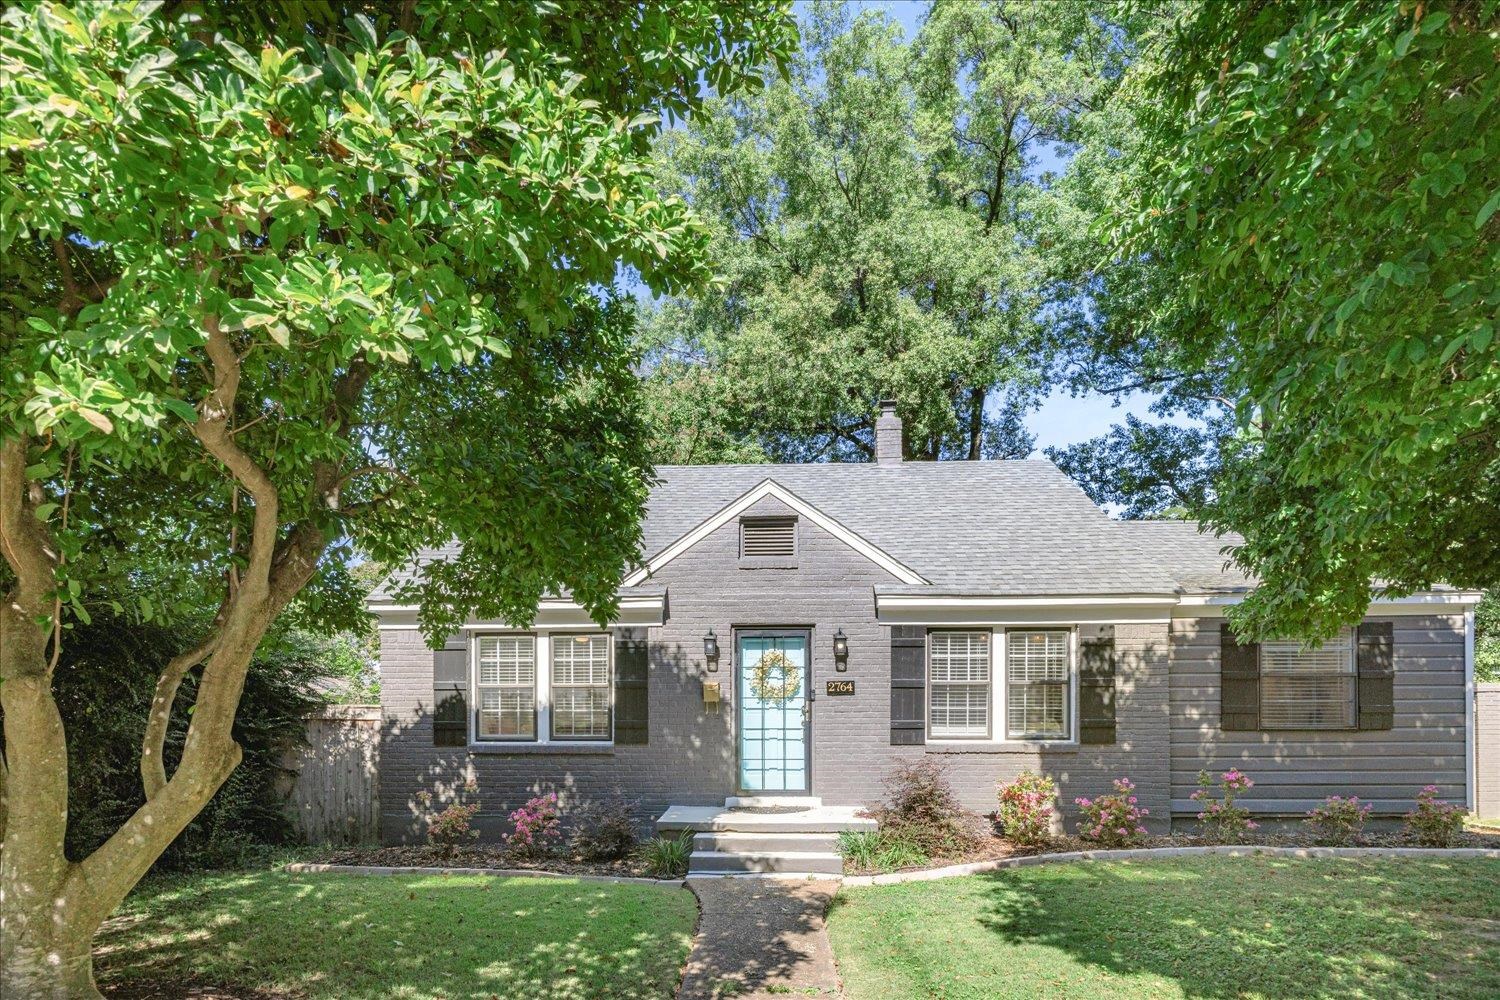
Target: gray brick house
{"points": [[795, 630]]}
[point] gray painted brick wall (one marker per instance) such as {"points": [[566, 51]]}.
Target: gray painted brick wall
{"points": [[1166, 716]]}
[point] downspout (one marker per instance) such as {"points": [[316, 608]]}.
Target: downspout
{"points": [[1470, 796]]}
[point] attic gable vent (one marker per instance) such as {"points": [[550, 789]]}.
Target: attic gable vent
{"points": [[768, 536]]}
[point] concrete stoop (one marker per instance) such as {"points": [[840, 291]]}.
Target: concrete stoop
{"points": [[749, 836]]}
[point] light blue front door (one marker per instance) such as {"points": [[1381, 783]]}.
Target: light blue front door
{"points": [[773, 699]]}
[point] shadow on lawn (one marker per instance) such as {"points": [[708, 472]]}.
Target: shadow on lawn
{"points": [[269, 935], [1279, 928]]}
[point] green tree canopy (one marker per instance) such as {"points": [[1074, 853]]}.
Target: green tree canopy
{"points": [[881, 230], [1306, 259], [289, 279]]}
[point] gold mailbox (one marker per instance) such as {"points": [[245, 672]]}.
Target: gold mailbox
{"points": [[710, 694]]}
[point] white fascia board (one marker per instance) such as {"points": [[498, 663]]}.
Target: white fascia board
{"points": [[639, 610], [769, 488], [914, 609], [1428, 603]]}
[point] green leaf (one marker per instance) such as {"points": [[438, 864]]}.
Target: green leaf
{"points": [[1487, 211], [363, 31]]}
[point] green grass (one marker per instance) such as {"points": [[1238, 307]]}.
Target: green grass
{"points": [[1199, 927], [418, 937]]}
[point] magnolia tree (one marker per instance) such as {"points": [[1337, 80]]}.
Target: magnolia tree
{"points": [[289, 279]]}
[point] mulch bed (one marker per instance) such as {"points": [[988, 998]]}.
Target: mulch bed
{"points": [[480, 857], [993, 847]]}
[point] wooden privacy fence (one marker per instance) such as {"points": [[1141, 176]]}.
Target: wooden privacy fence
{"points": [[333, 797], [1487, 749]]}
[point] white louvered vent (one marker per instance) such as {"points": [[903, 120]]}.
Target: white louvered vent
{"points": [[768, 537]]}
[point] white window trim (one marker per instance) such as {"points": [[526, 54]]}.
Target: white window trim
{"points": [[542, 639], [930, 686], [998, 687]]}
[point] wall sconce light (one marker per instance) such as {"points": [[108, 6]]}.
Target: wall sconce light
{"points": [[840, 651], [711, 650]]}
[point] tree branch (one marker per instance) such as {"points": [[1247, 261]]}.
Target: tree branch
{"points": [[153, 760]]}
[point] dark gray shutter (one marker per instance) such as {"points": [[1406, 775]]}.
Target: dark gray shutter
{"points": [[1239, 683], [632, 691], [908, 685], [450, 693], [1375, 660], [1096, 684]]}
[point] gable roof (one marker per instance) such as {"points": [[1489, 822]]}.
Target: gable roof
{"points": [[1017, 527], [769, 488], [1196, 557]]}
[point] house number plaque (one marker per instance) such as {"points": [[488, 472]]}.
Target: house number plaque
{"points": [[836, 688]]}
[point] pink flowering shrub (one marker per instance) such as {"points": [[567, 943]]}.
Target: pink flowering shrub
{"points": [[537, 826], [1221, 818], [1026, 809], [449, 829], [1434, 823], [1338, 821], [1113, 820]]}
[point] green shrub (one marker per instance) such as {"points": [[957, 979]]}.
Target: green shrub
{"points": [[1338, 821], [105, 679], [921, 809], [667, 857]]}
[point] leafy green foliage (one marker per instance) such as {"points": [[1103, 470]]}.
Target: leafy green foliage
{"points": [[105, 680], [667, 857], [1147, 469], [1309, 235], [882, 231], [1487, 637], [401, 219]]}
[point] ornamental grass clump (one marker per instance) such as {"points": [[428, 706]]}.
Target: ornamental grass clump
{"points": [[450, 829], [1338, 822], [1434, 822], [667, 857], [537, 826], [1027, 806], [1113, 820], [1220, 818]]}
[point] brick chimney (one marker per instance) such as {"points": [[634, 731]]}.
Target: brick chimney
{"points": [[888, 434]]}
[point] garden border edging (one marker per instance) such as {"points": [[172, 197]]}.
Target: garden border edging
{"points": [[1150, 853], [315, 868]]}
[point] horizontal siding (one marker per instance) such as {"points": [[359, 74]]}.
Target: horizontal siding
{"points": [[1293, 770]]}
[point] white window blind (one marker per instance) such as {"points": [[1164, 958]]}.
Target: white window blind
{"points": [[768, 537], [580, 687], [506, 682], [959, 675], [1302, 688], [1038, 672]]}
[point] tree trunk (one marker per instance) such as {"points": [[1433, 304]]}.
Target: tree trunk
{"points": [[42, 959]]}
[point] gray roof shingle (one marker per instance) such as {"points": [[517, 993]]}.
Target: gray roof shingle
{"points": [[1002, 527]]}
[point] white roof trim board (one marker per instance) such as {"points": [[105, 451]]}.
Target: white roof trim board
{"points": [[768, 488]]}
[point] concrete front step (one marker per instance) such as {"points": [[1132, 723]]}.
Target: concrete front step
{"points": [[823, 819], [756, 843], [781, 862], [772, 801]]}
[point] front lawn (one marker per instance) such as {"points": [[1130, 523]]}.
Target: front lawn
{"points": [[1195, 927], [418, 937]]}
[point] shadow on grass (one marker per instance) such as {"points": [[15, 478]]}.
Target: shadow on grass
{"points": [[1280, 928], [326, 936], [1206, 928]]}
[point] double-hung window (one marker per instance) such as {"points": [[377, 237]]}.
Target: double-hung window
{"points": [[505, 680], [1038, 673], [1302, 688], [580, 687], [959, 675]]}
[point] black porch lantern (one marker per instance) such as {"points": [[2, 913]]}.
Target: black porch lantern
{"points": [[840, 651], [711, 650]]}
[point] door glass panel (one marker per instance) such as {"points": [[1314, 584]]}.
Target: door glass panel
{"points": [[773, 723]]}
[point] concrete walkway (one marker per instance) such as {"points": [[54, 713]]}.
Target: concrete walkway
{"points": [[760, 938]]}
